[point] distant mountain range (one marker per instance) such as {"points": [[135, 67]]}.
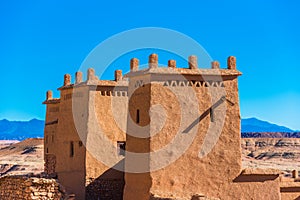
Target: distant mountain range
{"points": [[252, 127], [20, 130], [256, 125], [255, 128]]}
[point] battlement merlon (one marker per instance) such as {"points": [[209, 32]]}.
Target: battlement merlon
{"points": [[92, 80], [50, 99], [191, 70]]}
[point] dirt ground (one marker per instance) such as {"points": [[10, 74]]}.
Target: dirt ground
{"points": [[278, 153], [21, 157]]}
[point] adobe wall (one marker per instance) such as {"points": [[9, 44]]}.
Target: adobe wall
{"points": [[50, 164], [190, 174], [292, 195], [102, 124], [106, 127], [19, 187], [290, 188], [51, 121], [137, 184], [216, 174], [69, 149]]}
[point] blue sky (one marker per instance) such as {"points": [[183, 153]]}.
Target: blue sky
{"points": [[42, 40]]}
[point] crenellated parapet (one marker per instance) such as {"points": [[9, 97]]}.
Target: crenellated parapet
{"points": [[192, 68], [92, 80], [153, 67]]}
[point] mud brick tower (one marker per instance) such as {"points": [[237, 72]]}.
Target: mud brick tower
{"points": [[200, 137], [163, 132]]}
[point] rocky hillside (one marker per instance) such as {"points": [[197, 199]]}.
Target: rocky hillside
{"points": [[278, 153], [22, 157]]}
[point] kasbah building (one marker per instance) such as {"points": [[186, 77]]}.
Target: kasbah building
{"points": [[158, 133]]}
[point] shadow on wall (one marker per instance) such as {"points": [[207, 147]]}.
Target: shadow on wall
{"points": [[254, 178], [108, 186], [206, 113]]}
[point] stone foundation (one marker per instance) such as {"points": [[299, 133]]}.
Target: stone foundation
{"points": [[50, 162], [21, 187], [105, 189]]}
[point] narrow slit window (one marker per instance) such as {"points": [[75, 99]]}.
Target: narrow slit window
{"points": [[212, 114], [121, 146], [71, 149], [137, 116], [47, 150]]}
